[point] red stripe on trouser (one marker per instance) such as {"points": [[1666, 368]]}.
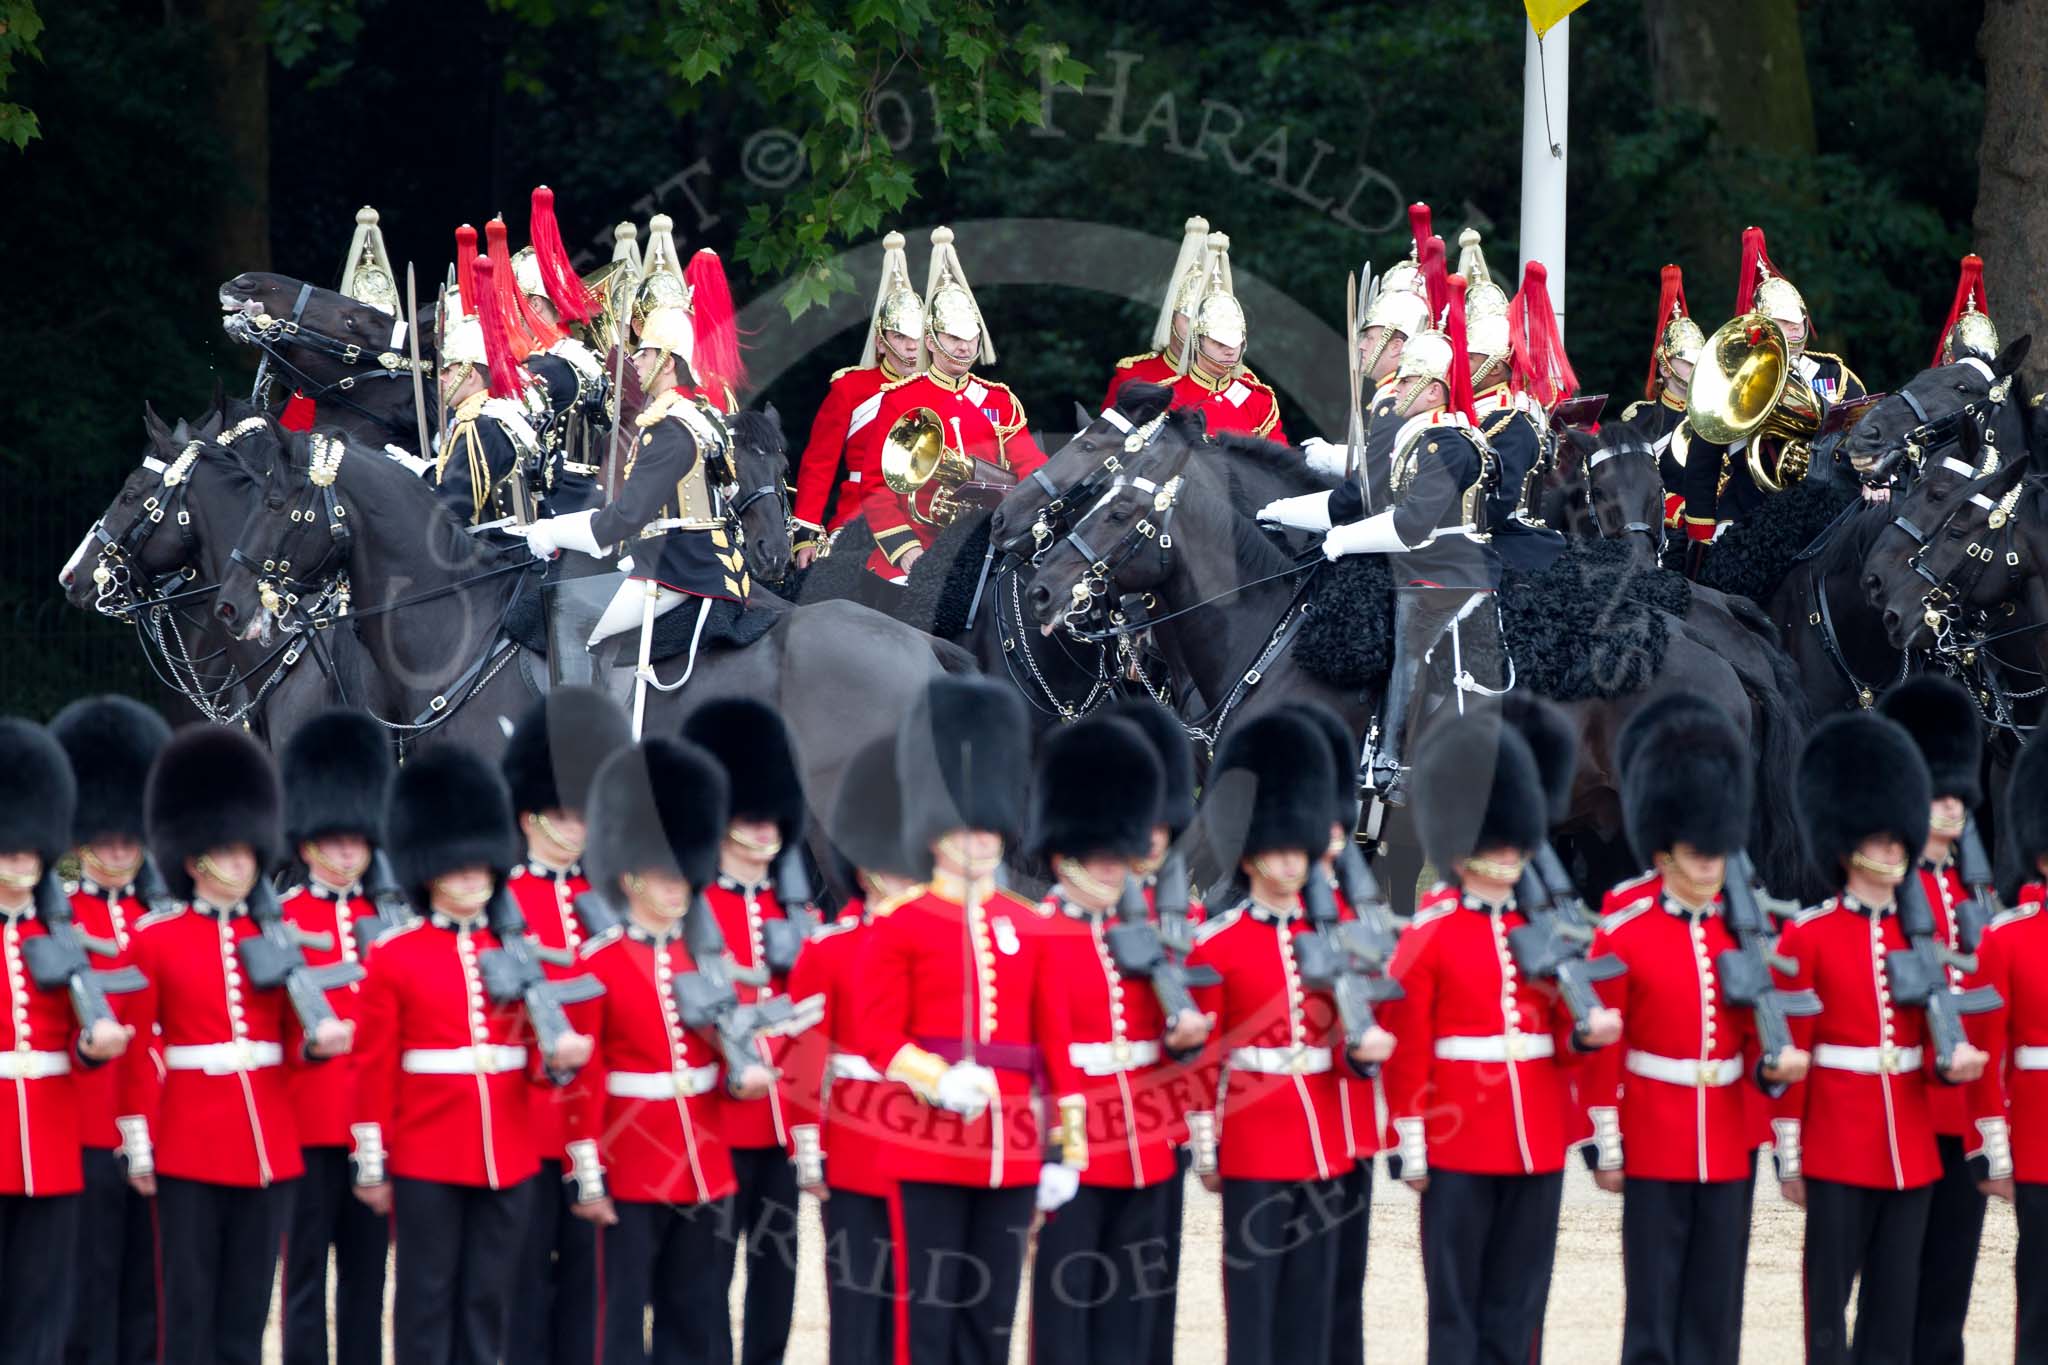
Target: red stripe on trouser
{"points": [[899, 1257]]}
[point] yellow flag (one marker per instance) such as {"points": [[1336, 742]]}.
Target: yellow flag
{"points": [[1544, 14]]}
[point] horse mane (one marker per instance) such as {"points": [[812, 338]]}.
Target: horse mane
{"points": [[755, 430], [368, 471], [1282, 463], [1255, 552]]}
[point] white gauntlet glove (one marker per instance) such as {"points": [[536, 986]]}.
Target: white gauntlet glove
{"points": [[1327, 459], [1373, 536], [1057, 1184], [571, 531], [411, 461], [966, 1089], [1306, 512]]}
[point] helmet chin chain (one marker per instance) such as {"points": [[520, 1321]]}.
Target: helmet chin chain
{"points": [[1071, 872], [1496, 871], [573, 847], [237, 887], [1893, 871]]}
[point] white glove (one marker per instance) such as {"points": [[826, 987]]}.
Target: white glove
{"points": [[1305, 512], [1373, 536], [1327, 459], [966, 1089], [540, 539], [571, 531], [411, 461], [1057, 1184]]}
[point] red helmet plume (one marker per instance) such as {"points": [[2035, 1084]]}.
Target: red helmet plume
{"points": [[557, 275], [1969, 296], [1539, 367], [465, 268], [529, 331], [1418, 226], [1756, 263], [1434, 283], [1670, 304], [1459, 380], [498, 352], [717, 359]]}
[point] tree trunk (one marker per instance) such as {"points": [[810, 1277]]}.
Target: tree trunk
{"points": [[238, 82], [2012, 171]]}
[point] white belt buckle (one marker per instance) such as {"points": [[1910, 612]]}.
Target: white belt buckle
{"points": [[1706, 1074], [1888, 1060], [1297, 1062], [685, 1086], [245, 1055], [1516, 1049], [1121, 1051]]}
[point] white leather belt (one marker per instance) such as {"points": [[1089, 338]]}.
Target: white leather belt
{"points": [[33, 1066], [1281, 1061], [489, 1059], [2030, 1058], [851, 1066], [1685, 1071], [1868, 1061], [684, 1083], [1498, 1047], [222, 1059], [662, 526], [575, 468], [1107, 1059]]}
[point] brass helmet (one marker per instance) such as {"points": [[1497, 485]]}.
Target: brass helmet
{"points": [[462, 334], [1184, 285], [1969, 331], [1406, 275], [1218, 316], [613, 286], [1397, 308], [661, 307], [526, 273], [1762, 289], [1486, 314], [366, 274], [897, 306], [950, 306], [1426, 356]]}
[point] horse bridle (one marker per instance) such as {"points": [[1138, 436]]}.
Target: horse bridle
{"points": [[118, 572], [278, 587], [1938, 433], [275, 336], [1655, 534], [1103, 565], [1137, 439], [1948, 593]]}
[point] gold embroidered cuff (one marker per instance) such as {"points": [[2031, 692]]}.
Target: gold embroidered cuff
{"points": [[1202, 1142], [809, 1156], [1072, 1134], [918, 1069]]}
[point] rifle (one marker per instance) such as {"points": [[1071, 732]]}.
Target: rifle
{"points": [[275, 957], [512, 975], [57, 958], [708, 1001], [1976, 911], [1918, 974], [381, 889], [1745, 970], [1552, 945], [782, 939], [1156, 952], [1345, 957]]}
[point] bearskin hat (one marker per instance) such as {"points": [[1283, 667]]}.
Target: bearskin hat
{"points": [[1269, 789], [963, 759], [1176, 758], [1553, 742], [1344, 752], [1943, 721], [867, 813], [1695, 785], [660, 805], [1098, 790], [1642, 729], [1860, 774], [111, 742], [449, 809], [337, 771], [754, 747], [40, 796], [557, 746], [1477, 786], [2026, 806], [211, 785]]}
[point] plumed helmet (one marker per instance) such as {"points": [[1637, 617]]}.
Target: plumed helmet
{"points": [[963, 761], [754, 747], [1859, 775], [656, 806], [1943, 721], [111, 741], [449, 810], [1098, 790], [36, 804], [1176, 757], [336, 771], [1269, 789], [1477, 786], [867, 813], [557, 745], [211, 786], [1691, 781], [2026, 806], [1344, 752]]}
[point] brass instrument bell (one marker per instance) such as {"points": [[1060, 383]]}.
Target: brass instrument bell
{"points": [[1743, 387], [915, 453]]}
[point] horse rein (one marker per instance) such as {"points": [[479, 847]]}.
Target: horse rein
{"points": [[275, 336], [1656, 535]]}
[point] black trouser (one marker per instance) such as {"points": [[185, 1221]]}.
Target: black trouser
{"points": [[1278, 1256], [860, 1277], [1852, 1230], [458, 1249], [326, 1213], [1166, 1303], [2030, 1271], [220, 1245], [1487, 1246], [114, 1323], [1682, 1262], [38, 1245], [669, 1256], [1101, 1259], [1948, 1259], [1347, 1320], [554, 1311], [964, 1246], [764, 1213]]}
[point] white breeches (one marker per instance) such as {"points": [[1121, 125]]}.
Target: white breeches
{"points": [[629, 605]]}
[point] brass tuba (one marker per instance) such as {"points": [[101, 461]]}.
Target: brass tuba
{"points": [[1743, 386], [915, 453]]}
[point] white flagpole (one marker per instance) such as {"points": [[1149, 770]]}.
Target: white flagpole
{"points": [[1546, 101]]}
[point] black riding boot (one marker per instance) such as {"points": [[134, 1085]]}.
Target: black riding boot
{"points": [[1420, 616]]}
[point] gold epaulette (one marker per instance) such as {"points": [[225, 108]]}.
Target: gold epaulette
{"points": [[899, 383], [838, 375], [469, 408], [1628, 414], [1139, 359], [659, 408], [897, 901]]}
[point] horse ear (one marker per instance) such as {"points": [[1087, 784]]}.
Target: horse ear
{"points": [[220, 400], [768, 411], [2010, 358], [153, 427], [1082, 417]]}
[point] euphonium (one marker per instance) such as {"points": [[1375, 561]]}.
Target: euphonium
{"points": [[1743, 387], [915, 453]]}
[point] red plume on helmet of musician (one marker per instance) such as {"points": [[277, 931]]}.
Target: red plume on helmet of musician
{"points": [[1538, 365], [716, 360], [1756, 264], [497, 330], [528, 330], [557, 275], [1670, 304], [1969, 294], [1459, 380], [465, 268], [1418, 226]]}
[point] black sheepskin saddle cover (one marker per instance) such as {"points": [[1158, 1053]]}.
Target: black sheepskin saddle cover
{"points": [[1753, 556], [1588, 626], [940, 588], [731, 625]]}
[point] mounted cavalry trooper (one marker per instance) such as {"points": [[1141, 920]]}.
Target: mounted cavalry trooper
{"points": [[1968, 330], [667, 501], [1211, 374], [1659, 418], [1161, 364], [1519, 374], [975, 425], [568, 395], [829, 487], [485, 462]]}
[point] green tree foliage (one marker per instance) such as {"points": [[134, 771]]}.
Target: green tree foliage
{"points": [[20, 26]]}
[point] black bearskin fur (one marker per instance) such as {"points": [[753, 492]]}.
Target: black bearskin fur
{"points": [[2026, 807], [1553, 741], [1860, 774], [754, 747], [449, 810], [1753, 556], [36, 809], [1098, 790], [1672, 708], [1345, 751], [111, 742], [963, 760], [210, 786], [1943, 721], [1269, 789], [867, 813], [1458, 756], [557, 746], [1176, 754], [1347, 642], [1697, 787], [336, 770], [941, 584], [659, 805]]}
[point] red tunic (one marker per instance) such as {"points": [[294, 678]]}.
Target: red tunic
{"points": [[38, 1060], [2014, 959], [850, 406], [825, 1079], [1674, 1021], [1481, 1051], [1857, 1127], [1237, 402], [666, 1147], [1281, 1113], [110, 919], [740, 911], [982, 419], [222, 1115], [443, 1071], [1149, 368], [324, 1096], [547, 898], [930, 999]]}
